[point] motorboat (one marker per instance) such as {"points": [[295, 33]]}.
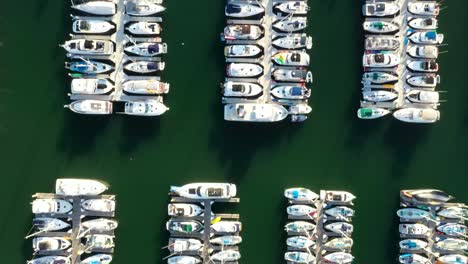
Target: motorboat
{"points": [[91, 107], [210, 191], [145, 67], [414, 229], [292, 75], [380, 27], [414, 214], [413, 244], [300, 242], [411, 258], [371, 112], [180, 245], [339, 258], [183, 260], [227, 226], [378, 77], [423, 23], [340, 212], [380, 9], [290, 92], [145, 87], [99, 241], [241, 89], [92, 26], [241, 10], [340, 243], [148, 107], [426, 52], [427, 37], [291, 58], [426, 196], [300, 194], [424, 8], [301, 210], [250, 112], [453, 259], [88, 67], [338, 197], [300, 109], [453, 212], [293, 7], [147, 49], [91, 86], [422, 96], [89, 47], [187, 227], [417, 115], [299, 227], [298, 118], [227, 240], [293, 41], [50, 260], [428, 80], [98, 258], [99, 205], [423, 66], [452, 244], [340, 228], [76, 187], [51, 206], [299, 257], [380, 60], [243, 70], [184, 209], [453, 229], [144, 28], [382, 43], [239, 51], [226, 255], [242, 32], [100, 224], [41, 244], [99, 8], [291, 24], [47, 224], [142, 8], [379, 96]]}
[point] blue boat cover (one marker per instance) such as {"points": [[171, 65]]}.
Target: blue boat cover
{"points": [[295, 194], [152, 66], [296, 91], [431, 35], [153, 48]]}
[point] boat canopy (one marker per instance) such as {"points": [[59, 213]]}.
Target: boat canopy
{"points": [[238, 88], [296, 57], [233, 9], [432, 35], [296, 91], [152, 66], [366, 112], [153, 48]]}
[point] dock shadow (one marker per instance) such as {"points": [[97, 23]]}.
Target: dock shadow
{"points": [[136, 131], [282, 220], [394, 235], [163, 239]]}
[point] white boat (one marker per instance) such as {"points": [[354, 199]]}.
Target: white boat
{"points": [[99, 241], [423, 66], [145, 87], [226, 240], [426, 196], [292, 75], [41, 244], [243, 70], [293, 41], [91, 107], [100, 224], [340, 243], [371, 112], [183, 260], [422, 96], [88, 67], [338, 196], [413, 259], [187, 227], [147, 49], [291, 24], [300, 109], [452, 244], [426, 52], [239, 10], [380, 60], [99, 205], [379, 96], [142, 8], [424, 8], [144, 28], [50, 260], [227, 226], [184, 209], [453, 229], [340, 228], [226, 256], [380, 27], [427, 37], [76, 187], [454, 212], [299, 227], [148, 107], [242, 32], [179, 245], [145, 66], [241, 89], [453, 259], [98, 259], [428, 80], [298, 118], [91, 26], [99, 8], [382, 43], [293, 7], [339, 258], [340, 212], [414, 229], [91, 86], [413, 244], [301, 210], [291, 58], [210, 191], [254, 112], [236, 51], [290, 92], [417, 115], [47, 224], [300, 242], [89, 47], [300, 194], [423, 23], [414, 214], [380, 9], [51, 206], [299, 257]]}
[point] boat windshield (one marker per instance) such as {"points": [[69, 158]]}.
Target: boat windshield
{"points": [[214, 192], [233, 9], [380, 7], [379, 58], [238, 88], [153, 48], [83, 25], [296, 91], [296, 57]]}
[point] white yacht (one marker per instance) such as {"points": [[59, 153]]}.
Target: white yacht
{"points": [[422, 96], [340, 228], [254, 112], [291, 24], [340, 212], [427, 37], [340, 243], [424, 8], [339, 257], [147, 49], [142, 8], [243, 70], [50, 260], [453, 212], [100, 224], [300, 109], [145, 67], [241, 89], [293, 7], [184, 209], [99, 205], [453, 229], [183, 260], [91, 107], [423, 65], [379, 96], [99, 8], [240, 10], [228, 240], [99, 241], [380, 60], [424, 52], [51, 206], [180, 245], [293, 41], [380, 9], [380, 27], [299, 227], [242, 32], [88, 67], [338, 196], [379, 77], [226, 255], [227, 226], [75, 187], [89, 47], [92, 26], [242, 51], [205, 190], [381, 42], [299, 257], [300, 242], [186, 227], [290, 92], [98, 258], [414, 214], [291, 58], [452, 244], [371, 112], [292, 75], [145, 87], [427, 80], [91, 86], [41, 244], [453, 259], [414, 229], [413, 244], [144, 28], [423, 23], [302, 210], [411, 258], [47, 224]]}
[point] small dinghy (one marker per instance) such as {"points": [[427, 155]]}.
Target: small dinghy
{"points": [[340, 243], [99, 205], [293, 41], [183, 209], [241, 89], [98, 259], [99, 242], [300, 242], [413, 259], [426, 196], [339, 258], [91, 107], [454, 212], [91, 26], [414, 229], [299, 227], [293, 7], [453, 259], [298, 118], [251, 112], [340, 228], [147, 49], [423, 23], [100, 224], [44, 244], [50, 260], [417, 115], [302, 210], [147, 107], [380, 60], [226, 256], [47, 224], [243, 70], [238, 51], [290, 92], [186, 227], [51, 206], [144, 28], [371, 112], [452, 244], [145, 87], [293, 75], [210, 191], [379, 96], [183, 260], [77, 187], [291, 24], [299, 257], [145, 67], [300, 109], [423, 66], [88, 67], [427, 37], [413, 244], [180, 245], [242, 32], [227, 226], [340, 212], [422, 96], [428, 80], [99, 8], [338, 197], [89, 47], [239, 10], [301, 195], [453, 229], [426, 52], [226, 240], [379, 77], [424, 8], [142, 8], [91, 86], [380, 27], [381, 9], [382, 43], [414, 214], [291, 58]]}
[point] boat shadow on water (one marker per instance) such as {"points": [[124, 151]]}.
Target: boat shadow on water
{"points": [[137, 130], [393, 250]]}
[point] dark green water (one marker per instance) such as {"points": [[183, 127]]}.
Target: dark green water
{"points": [[141, 157]]}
